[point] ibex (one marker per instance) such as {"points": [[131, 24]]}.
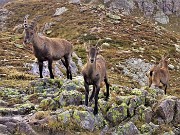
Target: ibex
{"points": [[159, 74], [94, 72], [48, 49]]}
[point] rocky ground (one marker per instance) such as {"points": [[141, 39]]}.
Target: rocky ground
{"points": [[131, 45]]}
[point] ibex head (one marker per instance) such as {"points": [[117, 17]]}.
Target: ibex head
{"points": [[93, 51], [30, 30]]}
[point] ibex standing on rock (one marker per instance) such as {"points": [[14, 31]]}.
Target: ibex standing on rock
{"points": [[48, 49], [94, 72], [159, 74]]}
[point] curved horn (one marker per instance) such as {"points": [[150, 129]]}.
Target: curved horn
{"points": [[26, 21], [33, 22], [98, 42]]}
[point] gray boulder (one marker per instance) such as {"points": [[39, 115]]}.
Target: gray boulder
{"points": [[124, 5], [24, 128], [177, 112], [84, 119], [70, 98], [127, 129], [117, 114], [161, 17], [166, 110], [48, 104], [144, 113], [3, 129]]}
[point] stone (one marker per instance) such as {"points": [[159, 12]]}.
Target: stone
{"points": [[84, 119], [48, 104], [166, 110], [115, 17], [67, 98], [24, 128], [177, 112], [3, 129], [146, 128], [117, 114], [149, 128], [4, 13], [99, 121], [3, 103], [75, 1], [169, 133], [126, 6], [171, 67], [60, 11], [127, 129], [177, 48], [65, 117], [147, 6], [74, 84], [144, 113], [161, 17], [11, 127], [25, 108], [136, 69]]}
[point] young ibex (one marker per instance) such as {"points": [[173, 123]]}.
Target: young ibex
{"points": [[159, 74], [48, 49], [94, 72]]}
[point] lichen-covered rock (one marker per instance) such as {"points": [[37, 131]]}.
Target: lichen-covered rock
{"points": [[123, 99], [103, 105], [84, 119], [127, 129], [24, 128], [45, 84], [25, 108], [117, 114], [125, 5], [99, 121], [75, 84], [69, 98], [146, 128], [166, 109], [8, 111], [133, 103], [151, 101], [11, 127], [144, 113], [177, 112], [3, 129], [3, 103], [65, 117], [149, 128], [48, 104]]}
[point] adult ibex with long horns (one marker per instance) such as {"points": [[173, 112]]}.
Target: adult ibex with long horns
{"points": [[48, 49]]}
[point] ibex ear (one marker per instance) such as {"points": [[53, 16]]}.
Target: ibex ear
{"points": [[87, 47], [99, 49]]}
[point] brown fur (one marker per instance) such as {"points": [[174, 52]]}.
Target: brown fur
{"points": [[48, 49], [159, 74], [94, 73]]}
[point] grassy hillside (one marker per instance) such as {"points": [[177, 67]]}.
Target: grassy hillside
{"points": [[81, 24]]}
